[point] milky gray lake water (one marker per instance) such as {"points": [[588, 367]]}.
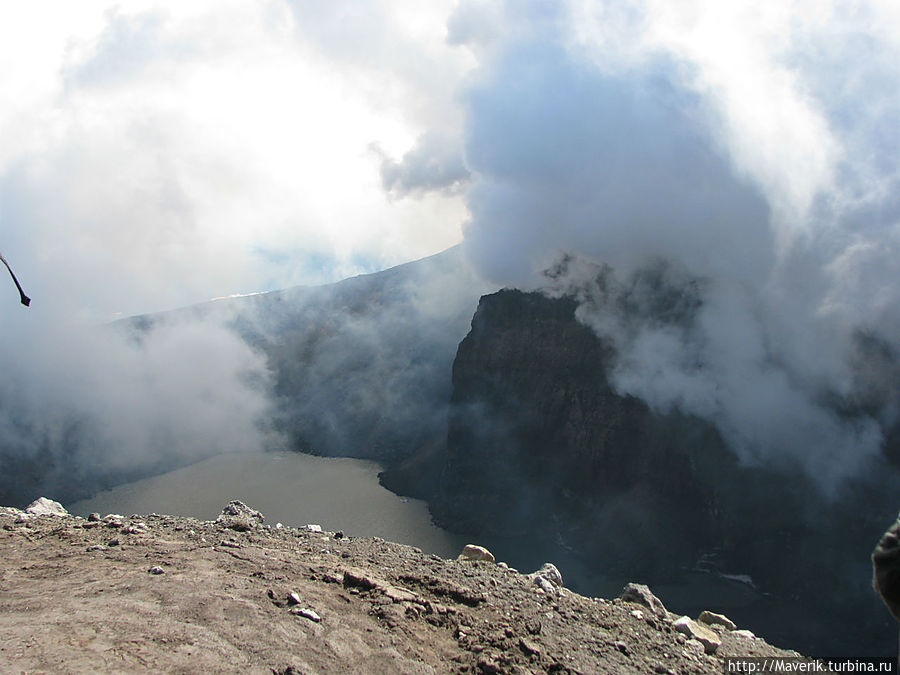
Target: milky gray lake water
{"points": [[288, 487]]}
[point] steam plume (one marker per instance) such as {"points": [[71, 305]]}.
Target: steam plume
{"points": [[712, 153]]}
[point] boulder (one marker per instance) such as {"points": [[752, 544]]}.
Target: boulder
{"points": [[642, 595], [548, 579], [45, 507], [544, 585], [238, 516], [474, 552], [551, 573], [695, 631], [713, 619]]}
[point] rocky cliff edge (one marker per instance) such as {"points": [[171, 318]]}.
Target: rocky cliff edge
{"points": [[160, 593]]}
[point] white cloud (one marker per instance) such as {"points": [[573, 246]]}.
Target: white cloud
{"points": [[158, 153], [215, 145], [752, 144]]}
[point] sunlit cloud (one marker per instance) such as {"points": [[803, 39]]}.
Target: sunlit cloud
{"points": [[168, 141]]}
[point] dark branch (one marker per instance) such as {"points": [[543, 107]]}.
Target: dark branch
{"points": [[24, 298]]}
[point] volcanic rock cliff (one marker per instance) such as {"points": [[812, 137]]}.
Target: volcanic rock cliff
{"points": [[538, 436], [539, 439], [540, 443]]}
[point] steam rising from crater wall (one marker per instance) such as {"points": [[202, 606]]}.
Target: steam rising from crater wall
{"points": [[747, 156]]}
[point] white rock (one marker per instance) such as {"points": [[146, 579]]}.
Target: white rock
{"points": [[744, 633], [551, 573], [475, 552], [238, 516], [156, 569], [307, 614], [695, 631], [312, 528], [641, 594], [45, 507], [713, 619], [544, 585]]}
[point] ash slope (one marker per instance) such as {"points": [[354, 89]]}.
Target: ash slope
{"points": [[71, 601]]}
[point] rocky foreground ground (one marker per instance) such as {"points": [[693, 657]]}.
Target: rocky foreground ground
{"points": [[157, 593]]}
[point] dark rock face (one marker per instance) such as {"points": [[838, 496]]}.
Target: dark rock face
{"points": [[539, 439], [539, 443]]}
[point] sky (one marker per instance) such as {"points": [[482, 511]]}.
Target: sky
{"points": [[156, 154]]}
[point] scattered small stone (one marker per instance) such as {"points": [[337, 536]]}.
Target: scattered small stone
{"points": [[45, 507], [96, 547], [290, 670], [551, 573], [489, 666], [399, 594], [642, 595], [529, 647], [503, 565], [637, 614], [93, 517], [238, 516], [339, 534], [358, 580], [475, 552], [134, 528], [695, 631], [113, 542], [293, 598], [533, 626], [312, 528], [307, 614], [621, 646], [156, 569], [544, 585], [713, 619], [275, 601]]}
